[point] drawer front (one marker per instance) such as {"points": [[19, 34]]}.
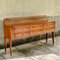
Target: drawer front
{"points": [[36, 29], [49, 27], [21, 34], [21, 31], [22, 28]]}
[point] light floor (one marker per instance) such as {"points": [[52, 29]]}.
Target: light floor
{"points": [[37, 50]]}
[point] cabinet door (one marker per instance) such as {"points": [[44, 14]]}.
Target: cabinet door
{"points": [[21, 31], [36, 29], [49, 27]]}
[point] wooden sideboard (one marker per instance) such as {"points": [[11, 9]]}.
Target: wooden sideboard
{"points": [[20, 27]]}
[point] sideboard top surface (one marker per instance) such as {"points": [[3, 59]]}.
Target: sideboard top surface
{"points": [[26, 20]]}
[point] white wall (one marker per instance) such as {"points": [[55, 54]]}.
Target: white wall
{"points": [[26, 7], [57, 7]]}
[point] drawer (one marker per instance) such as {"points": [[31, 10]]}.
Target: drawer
{"points": [[36, 29], [37, 32], [49, 27], [22, 28], [33, 27], [52, 23], [21, 34]]}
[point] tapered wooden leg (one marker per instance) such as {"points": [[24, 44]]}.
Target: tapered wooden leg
{"points": [[53, 37], [5, 44], [11, 47], [46, 37]]}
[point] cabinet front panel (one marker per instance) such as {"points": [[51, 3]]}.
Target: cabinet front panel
{"points": [[36, 29], [49, 27], [22, 34], [22, 28]]}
